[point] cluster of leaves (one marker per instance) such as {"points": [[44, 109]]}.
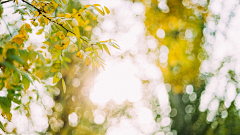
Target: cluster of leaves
{"points": [[21, 64]]}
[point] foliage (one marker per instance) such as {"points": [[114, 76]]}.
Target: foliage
{"points": [[181, 30], [22, 63], [180, 25]]}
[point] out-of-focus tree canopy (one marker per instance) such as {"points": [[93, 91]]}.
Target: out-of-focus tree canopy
{"points": [[179, 30]]}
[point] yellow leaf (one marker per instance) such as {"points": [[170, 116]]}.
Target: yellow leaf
{"points": [[54, 5], [59, 33], [107, 10], [36, 13], [116, 46], [66, 41], [9, 116], [76, 31], [48, 43], [18, 39], [27, 26], [34, 23], [58, 47], [74, 11], [64, 1], [89, 49], [100, 47], [67, 15], [34, 3], [39, 32], [96, 52], [99, 10], [80, 55], [63, 85], [46, 21], [91, 54], [23, 32], [106, 49], [104, 41], [97, 64], [86, 6], [88, 28], [54, 70], [88, 61], [65, 46], [57, 77], [70, 34], [96, 5]]}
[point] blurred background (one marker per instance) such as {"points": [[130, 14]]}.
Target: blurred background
{"points": [[177, 73]]}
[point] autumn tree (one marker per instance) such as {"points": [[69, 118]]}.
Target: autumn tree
{"points": [[24, 64], [178, 26]]}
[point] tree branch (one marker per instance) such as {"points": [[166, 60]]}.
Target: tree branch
{"points": [[40, 12], [6, 1]]}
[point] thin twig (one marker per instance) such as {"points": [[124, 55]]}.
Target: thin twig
{"points": [[40, 12], [7, 27], [6, 1]]}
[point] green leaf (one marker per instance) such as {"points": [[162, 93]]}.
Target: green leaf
{"points": [[56, 65], [17, 58], [9, 65], [1, 50], [106, 49], [41, 57], [66, 59], [66, 65], [27, 77], [26, 82], [17, 108], [32, 55], [63, 85], [100, 47], [5, 104], [24, 55], [1, 126], [16, 77]]}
